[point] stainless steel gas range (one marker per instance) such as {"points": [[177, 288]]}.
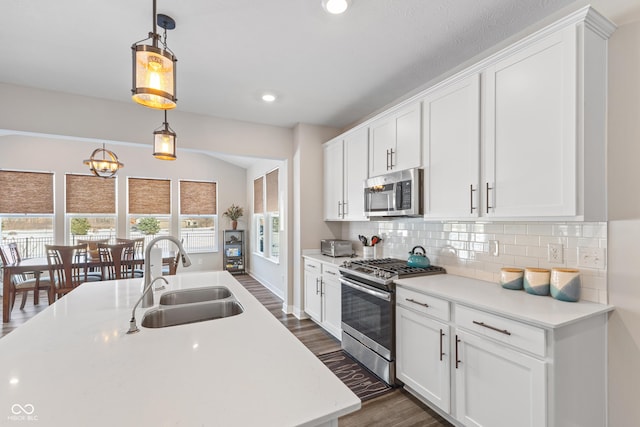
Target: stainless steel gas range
{"points": [[368, 310]]}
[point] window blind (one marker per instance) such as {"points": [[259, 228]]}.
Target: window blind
{"points": [[89, 194], [149, 196], [258, 195], [26, 192], [198, 198], [272, 191]]}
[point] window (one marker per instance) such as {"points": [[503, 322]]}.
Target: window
{"points": [[26, 211], [90, 206], [198, 216], [267, 215], [149, 209]]}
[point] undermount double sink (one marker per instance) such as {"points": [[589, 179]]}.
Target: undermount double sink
{"points": [[192, 306]]}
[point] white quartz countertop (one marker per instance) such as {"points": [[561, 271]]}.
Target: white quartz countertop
{"points": [[74, 365], [543, 311], [337, 261]]}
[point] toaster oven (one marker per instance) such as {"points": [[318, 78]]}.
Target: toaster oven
{"points": [[336, 248]]}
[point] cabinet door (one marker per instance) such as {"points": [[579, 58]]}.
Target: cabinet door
{"points": [[332, 305], [530, 162], [408, 148], [312, 295], [452, 150], [422, 356], [497, 386], [333, 170], [355, 172], [383, 140]]}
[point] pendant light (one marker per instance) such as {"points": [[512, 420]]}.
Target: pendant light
{"points": [[103, 163], [154, 68], [164, 141]]}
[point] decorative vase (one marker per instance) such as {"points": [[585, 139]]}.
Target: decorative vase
{"points": [[565, 284], [536, 281], [234, 224]]}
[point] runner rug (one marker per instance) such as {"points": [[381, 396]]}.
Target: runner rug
{"points": [[363, 383]]}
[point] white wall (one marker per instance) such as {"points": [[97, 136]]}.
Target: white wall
{"points": [[66, 156], [624, 225], [308, 201]]}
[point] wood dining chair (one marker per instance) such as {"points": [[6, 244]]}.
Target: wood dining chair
{"points": [[138, 268], [117, 260], [23, 282], [94, 273], [67, 267]]}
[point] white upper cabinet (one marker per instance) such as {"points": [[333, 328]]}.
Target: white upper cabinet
{"points": [[531, 149], [451, 119], [345, 169], [395, 142]]}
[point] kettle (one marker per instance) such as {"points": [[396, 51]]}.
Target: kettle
{"points": [[417, 259]]}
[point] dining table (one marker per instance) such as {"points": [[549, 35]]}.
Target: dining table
{"points": [[40, 265]]}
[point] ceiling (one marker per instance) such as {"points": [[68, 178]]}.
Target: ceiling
{"points": [[326, 69]]}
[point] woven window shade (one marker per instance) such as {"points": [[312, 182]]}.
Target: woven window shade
{"points": [[149, 196], [258, 195], [26, 192], [272, 191], [89, 194], [198, 198]]}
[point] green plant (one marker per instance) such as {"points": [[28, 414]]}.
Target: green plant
{"points": [[233, 212], [80, 226], [148, 225]]}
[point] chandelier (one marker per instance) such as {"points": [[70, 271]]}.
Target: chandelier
{"points": [[103, 163], [154, 68]]}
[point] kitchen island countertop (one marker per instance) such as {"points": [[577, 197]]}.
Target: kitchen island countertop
{"points": [[74, 365]]}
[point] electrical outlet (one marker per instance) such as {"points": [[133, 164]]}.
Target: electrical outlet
{"points": [[591, 257], [554, 253], [494, 248]]}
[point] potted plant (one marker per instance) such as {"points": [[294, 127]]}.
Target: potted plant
{"points": [[233, 213]]}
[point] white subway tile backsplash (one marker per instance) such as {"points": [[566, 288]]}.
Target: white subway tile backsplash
{"points": [[462, 247]]}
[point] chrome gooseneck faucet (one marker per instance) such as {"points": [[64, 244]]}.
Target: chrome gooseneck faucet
{"points": [[147, 292], [147, 297]]}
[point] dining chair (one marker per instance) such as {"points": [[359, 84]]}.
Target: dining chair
{"points": [[67, 267], [23, 282], [138, 270], [171, 268], [117, 260], [94, 273]]}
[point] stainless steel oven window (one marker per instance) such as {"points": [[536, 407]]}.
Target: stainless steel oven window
{"points": [[368, 314]]}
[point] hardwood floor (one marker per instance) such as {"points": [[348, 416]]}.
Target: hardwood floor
{"points": [[395, 409]]}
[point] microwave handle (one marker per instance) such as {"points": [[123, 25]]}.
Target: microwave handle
{"points": [[398, 196]]}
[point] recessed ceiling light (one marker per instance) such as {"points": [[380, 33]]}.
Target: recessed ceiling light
{"points": [[335, 7], [268, 97]]}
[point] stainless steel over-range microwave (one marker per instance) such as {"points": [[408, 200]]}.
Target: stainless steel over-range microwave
{"points": [[394, 194]]}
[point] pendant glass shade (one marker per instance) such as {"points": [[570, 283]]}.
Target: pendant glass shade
{"points": [[103, 163], [154, 77], [164, 142]]}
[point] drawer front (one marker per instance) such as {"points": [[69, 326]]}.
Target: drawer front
{"points": [[331, 271], [312, 265], [422, 303], [517, 334]]}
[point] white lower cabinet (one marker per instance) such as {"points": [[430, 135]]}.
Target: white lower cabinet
{"points": [[322, 295], [422, 362], [496, 385], [480, 369]]}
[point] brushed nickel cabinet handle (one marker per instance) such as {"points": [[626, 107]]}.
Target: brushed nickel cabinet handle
{"points": [[493, 328], [345, 209], [471, 190], [458, 361], [339, 206], [391, 163], [388, 164], [488, 206], [424, 304], [441, 352], [317, 290]]}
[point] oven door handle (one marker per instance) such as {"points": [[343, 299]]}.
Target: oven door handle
{"points": [[366, 289]]}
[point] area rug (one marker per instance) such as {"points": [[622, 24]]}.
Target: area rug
{"points": [[363, 383]]}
